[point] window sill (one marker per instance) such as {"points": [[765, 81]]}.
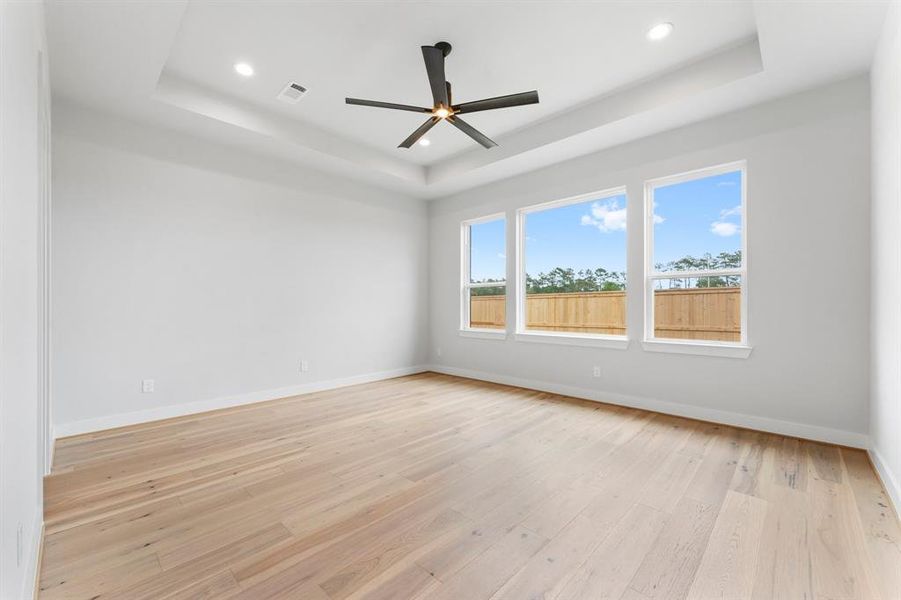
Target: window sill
{"points": [[575, 339], [699, 349], [484, 334]]}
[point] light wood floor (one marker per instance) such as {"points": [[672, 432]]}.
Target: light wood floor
{"points": [[436, 487]]}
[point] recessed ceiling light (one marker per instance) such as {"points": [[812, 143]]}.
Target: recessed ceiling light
{"points": [[659, 31], [244, 69], [424, 142]]}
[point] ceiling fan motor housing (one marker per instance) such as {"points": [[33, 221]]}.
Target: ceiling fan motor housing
{"points": [[444, 47]]}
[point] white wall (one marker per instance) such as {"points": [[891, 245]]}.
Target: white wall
{"points": [[22, 51], [808, 222], [215, 273], [885, 407]]}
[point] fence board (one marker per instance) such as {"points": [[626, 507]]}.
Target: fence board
{"points": [[487, 312], [692, 313]]}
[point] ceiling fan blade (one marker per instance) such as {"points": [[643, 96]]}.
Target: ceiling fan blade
{"points": [[471, 132], [421, 131], [499, 102], [450, 98], [378, 104], [434, 66]]}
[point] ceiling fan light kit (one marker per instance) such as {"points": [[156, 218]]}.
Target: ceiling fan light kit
{"points": [[443, 108]]}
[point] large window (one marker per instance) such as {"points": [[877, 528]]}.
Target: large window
{"points": [[572, 267], [484, 270], [696, 263]]}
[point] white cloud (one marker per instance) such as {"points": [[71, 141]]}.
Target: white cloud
{"points": [[607, 217], [723, 228], [725, 183], [728, 212], [501, 255], [658, 219]]}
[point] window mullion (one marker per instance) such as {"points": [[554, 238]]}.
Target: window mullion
{"points": [[485, 284], [694, 274]]}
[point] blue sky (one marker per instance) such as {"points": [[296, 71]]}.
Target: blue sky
{"points": [[702, 215], [488, 252], [693, 217]]}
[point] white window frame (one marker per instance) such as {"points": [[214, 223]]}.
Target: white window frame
{"points": [[620, 342], [466, 285], [740, 349]]}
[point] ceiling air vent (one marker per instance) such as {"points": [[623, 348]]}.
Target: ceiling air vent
{"points": [[292, 93]]}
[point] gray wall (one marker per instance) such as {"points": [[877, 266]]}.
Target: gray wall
{"points": [[22, 430], [216, 273], [808, 227], [885, 408]]}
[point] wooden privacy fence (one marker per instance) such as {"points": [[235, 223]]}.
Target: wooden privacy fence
{"points": [[691, 313]]}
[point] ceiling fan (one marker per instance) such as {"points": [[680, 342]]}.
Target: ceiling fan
{"points": [[444, 108]]}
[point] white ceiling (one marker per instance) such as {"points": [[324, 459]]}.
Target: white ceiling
{"points": [[570, 52], [600, 80]]}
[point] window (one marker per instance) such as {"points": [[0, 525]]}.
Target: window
{"points": [[696, 288], [572, 269], [484, 269]]}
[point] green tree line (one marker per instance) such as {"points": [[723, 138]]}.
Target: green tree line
{"points": [[723, 260], [563, 280]]}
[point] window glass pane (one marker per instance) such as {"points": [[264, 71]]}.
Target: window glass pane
{"points": [[487, 307], [698, 224], [704, 308], [488, 252], [575, 262]]}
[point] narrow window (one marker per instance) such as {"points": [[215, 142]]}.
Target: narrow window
{"points": [[573, 266], [484, 269], [696, 261]]}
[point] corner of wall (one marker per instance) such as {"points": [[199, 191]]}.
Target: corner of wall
{"points": [[885, 257], [889, 481], [31, 579]]}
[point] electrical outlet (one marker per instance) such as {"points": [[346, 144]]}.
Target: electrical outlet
{"points": [[19, 545], [147, 386], [596, 371], [438, 352], [304, 366]]}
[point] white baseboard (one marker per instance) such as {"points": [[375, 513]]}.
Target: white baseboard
{"points": [[789, 428], [32, 575], [889, 481], [180, 410]]}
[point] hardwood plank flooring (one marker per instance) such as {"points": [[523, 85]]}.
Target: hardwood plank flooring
{"points": [[431, 487]]}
